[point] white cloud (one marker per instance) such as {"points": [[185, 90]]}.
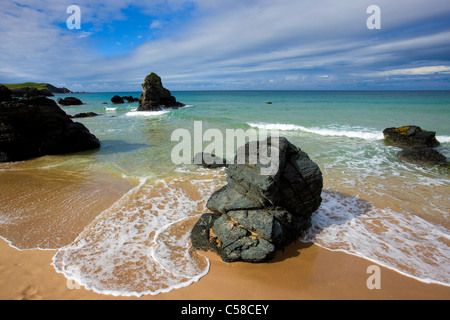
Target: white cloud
{"points": [[156, 24], [415, 71]]}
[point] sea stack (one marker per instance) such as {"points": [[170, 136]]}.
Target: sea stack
{"points": [[155, 97], [36, 126], [255, 215]]}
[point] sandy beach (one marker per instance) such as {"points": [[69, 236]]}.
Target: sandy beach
{"points": [[301, 272]]}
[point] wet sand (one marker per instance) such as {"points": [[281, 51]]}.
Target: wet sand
{"points": [[301, 272]]}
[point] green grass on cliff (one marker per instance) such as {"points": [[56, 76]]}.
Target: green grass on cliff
{"points": [[39, 86]]}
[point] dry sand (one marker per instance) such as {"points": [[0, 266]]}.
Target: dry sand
{"points": [[301, 272]]}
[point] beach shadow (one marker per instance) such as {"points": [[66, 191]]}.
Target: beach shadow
{"points": [[291, 251]]}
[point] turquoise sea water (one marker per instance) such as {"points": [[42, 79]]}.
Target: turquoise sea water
{"points": [[374, 205]]}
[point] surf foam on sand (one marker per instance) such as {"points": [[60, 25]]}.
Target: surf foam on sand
{"points": [[141, 244]]}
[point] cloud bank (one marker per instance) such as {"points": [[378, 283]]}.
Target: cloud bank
{"points": [[202, 44]]}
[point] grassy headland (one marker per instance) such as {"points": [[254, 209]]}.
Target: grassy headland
{"points": [[39, 86]]}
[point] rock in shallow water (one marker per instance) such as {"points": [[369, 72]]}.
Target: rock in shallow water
{"points": [[254, 215], [69, 101], [410, 137], [423, 156], [155, 97], [37, 126], [418, 145]]}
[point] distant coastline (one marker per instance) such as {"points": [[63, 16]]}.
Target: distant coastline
{"points": [[39, 86]]}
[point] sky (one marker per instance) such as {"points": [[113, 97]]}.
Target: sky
{"points": [[227, 44]]}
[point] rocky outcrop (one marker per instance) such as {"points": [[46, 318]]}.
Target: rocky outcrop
{"points": [[5, 93], [36, 126], [418, 145], [117, 100], [410, 137], [155, 97], [31, 92], [254, 215], [69, 101], [54, 89]]}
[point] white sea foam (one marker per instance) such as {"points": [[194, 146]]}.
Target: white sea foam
{"points": [[344, 132], [141, 244], [146, 113], [110, 108], [443, 139], [403, 242]]}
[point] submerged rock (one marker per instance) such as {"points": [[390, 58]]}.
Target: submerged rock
{"points": [[423, 156], [155, 97], [83, 115], [130, 99], [254, 215], [36, 126], [210, 161]]}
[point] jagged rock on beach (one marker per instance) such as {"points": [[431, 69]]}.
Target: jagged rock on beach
{"points": [[155, 97], [36, 126], [255, 215]]}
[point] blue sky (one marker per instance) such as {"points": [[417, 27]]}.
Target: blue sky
{"points": [[227, 44]]}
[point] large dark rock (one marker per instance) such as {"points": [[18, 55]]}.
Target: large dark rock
{"points": [[155, 97], [33, 127], [254, 215], [5, 93], [117, 100], [410, 137], [69, 101]]}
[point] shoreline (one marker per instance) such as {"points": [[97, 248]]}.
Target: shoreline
{"points": [[301, 272]]}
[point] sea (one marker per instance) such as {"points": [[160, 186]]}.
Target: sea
{"points": [[374, 205]]}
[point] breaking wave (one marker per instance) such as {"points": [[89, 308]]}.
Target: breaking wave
{"points": [[343, 132]]}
